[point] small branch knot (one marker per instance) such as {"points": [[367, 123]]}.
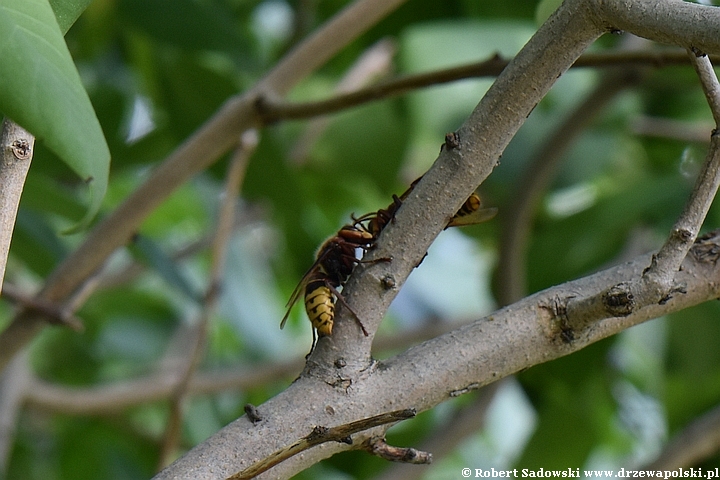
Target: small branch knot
{"points": [[619, 300], [452, 141], [252, 413], [561, 320], [21, 149], [388, 282], [318, 432], [684, 235]]}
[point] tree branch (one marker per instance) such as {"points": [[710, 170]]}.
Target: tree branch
{"points": [[512, 339], [675, 23], [16, 152], [680, 130], [456, 174], [118, 396], [531, 331], [708, 80]]}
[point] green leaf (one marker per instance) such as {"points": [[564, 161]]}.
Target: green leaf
{"points": [[41, 90], [67, 11]]}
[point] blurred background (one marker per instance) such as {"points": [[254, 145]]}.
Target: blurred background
{"points": [[630, 140]]}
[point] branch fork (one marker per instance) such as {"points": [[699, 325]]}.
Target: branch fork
{"points": [[657, 283]]}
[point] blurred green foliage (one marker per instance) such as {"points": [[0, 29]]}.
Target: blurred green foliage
{"points": [[156, 70]]}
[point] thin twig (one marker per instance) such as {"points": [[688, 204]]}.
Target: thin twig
{"points": [[709, 82], [226, 220], [273, 110], [249, 214], [56, 314], [234, 178], [406, 455], [444, 439], [341, 433]]}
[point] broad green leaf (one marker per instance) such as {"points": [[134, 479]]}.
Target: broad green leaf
{"points": [[67, 11], [41, 90]]}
